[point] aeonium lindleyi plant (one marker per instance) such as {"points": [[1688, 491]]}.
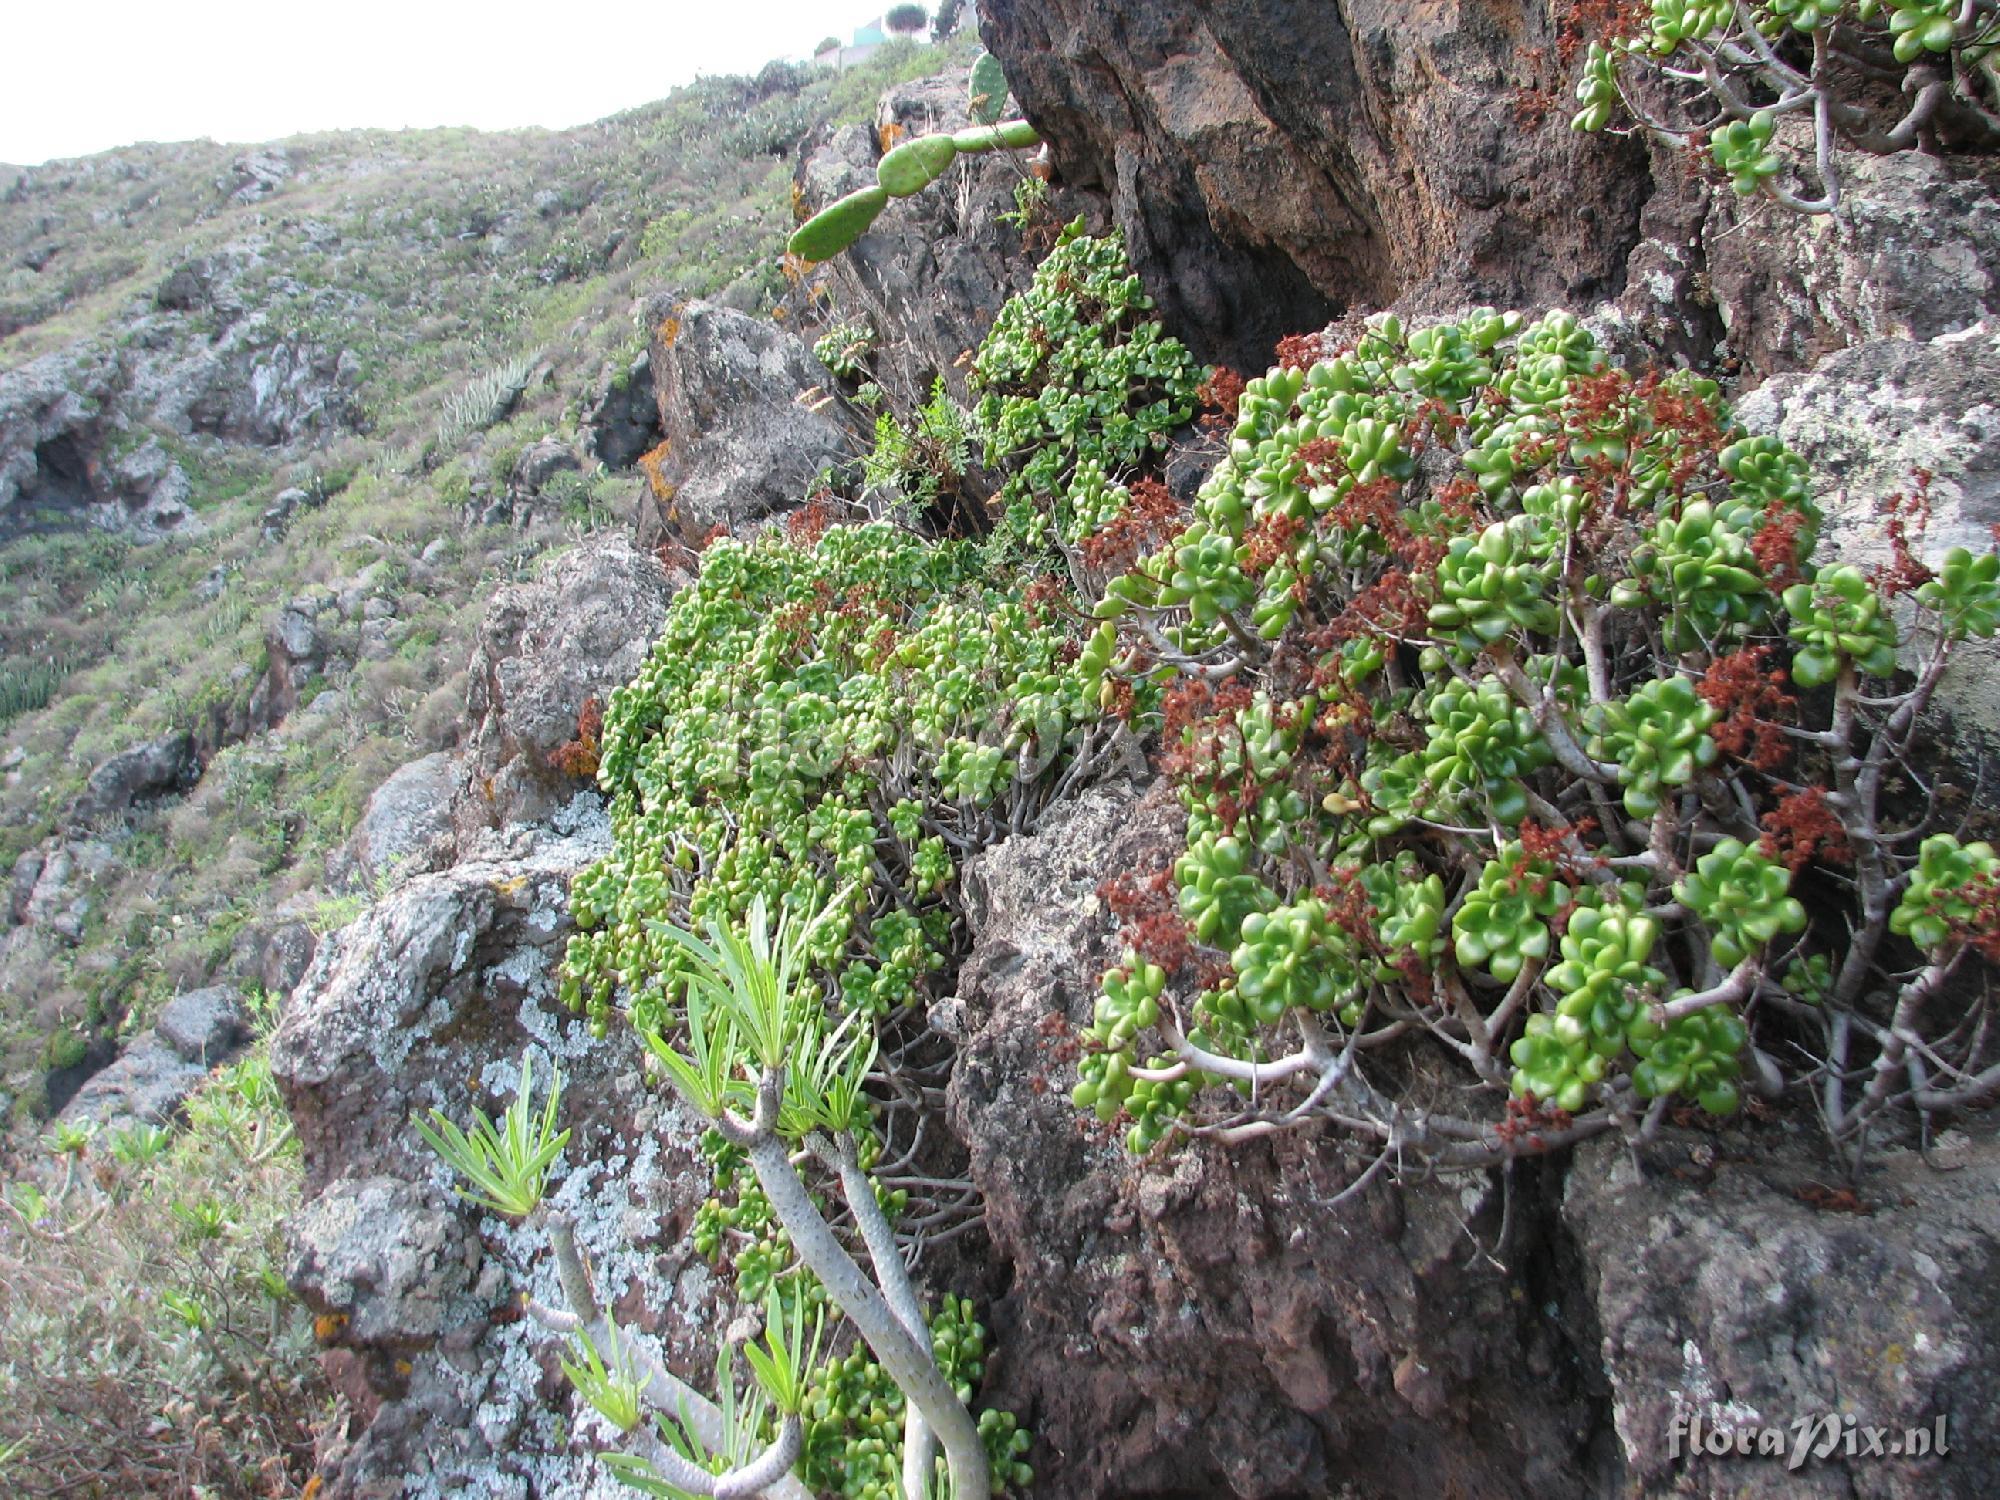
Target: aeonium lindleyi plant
{"points": [[1513, 719]]}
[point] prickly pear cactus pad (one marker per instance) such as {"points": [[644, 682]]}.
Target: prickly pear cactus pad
{"points": [[913, 165]]}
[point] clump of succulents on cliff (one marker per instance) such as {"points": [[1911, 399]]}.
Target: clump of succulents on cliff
{"points": [[1877, 75], [1513, 722], [1512, 719], [833, 718]]}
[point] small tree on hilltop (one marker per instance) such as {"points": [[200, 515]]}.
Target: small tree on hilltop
{"points": [[906, 20]]}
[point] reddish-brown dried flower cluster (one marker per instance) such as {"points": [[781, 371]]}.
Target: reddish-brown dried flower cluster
{"points": [[1754, 704], [1392, 603], [1153, 926], [1527, 1117], [1220, 392], [1556, 846], [578, 758], [1776, 544], [1270, 540], [1045, 599], [1149, 518], [810, 522], [1905, 517], [1802, 828], [1300, 351]]}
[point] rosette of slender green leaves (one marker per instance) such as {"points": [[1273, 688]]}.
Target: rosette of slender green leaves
{"points": [[507, 1164], [609, 1381]]}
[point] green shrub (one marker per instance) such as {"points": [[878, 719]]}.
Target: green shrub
{"points": [[1473, 635], [1759, 61], [148, 1344], [831, 720]]}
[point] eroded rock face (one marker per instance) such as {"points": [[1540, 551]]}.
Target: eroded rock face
{"points": [[545, 648], [1914, 253], [1747, 1306], [624, 421], [742, 445], [1273, 164], [431, 999], [1206, 1323]]}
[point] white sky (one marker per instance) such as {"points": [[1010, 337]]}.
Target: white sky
{"points": [[87, 75]]}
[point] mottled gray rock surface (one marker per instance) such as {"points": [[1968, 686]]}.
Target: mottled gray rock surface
{"points": [[145, 772], [431, 1000], [742, 443], [1884, 418], [545, 649], [407, 825], [204, 1026], [1747, 1304]]}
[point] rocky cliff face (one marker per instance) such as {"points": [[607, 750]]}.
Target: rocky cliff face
{"points": [[1273, 165], [1254, 1322]]}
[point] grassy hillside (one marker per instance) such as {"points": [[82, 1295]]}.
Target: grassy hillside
{"points": [[439, 266]]}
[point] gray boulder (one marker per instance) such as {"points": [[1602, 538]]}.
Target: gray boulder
{"points": [[287, 954], [206, 1026], [145, 1085], [540, 462], [157, 768], [1875, 417], [1766, 1298], [51, 410], [407, 824], [1913, 253], [544, 650], [431, 999], [743, 446]]}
